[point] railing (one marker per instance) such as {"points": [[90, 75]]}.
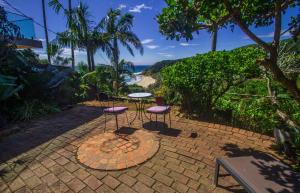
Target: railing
{"points": [[25, 24]]}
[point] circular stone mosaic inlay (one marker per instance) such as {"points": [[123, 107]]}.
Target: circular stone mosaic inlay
{"points": [[108, 151]]}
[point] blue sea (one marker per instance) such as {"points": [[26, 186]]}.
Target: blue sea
{"points": [[138, 69]]}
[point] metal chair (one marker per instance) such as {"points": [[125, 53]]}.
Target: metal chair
{"points": [[114, 110], [160, 109]]}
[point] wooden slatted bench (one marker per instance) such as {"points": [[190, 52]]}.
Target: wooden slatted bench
{"points": [[260, 174]]}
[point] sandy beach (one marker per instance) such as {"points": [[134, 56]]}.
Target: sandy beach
{"points": [[145, 81]]}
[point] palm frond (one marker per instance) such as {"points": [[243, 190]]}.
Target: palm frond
{"points": [[56, 5]]}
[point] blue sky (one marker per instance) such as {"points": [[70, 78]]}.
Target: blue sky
{"points": [[156, 47]]}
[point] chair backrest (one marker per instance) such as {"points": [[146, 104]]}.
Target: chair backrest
{"points": [[160, 101]]}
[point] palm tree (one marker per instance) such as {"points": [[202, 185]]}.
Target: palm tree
{"points": [[57, 6], [46, 29], [55, 53], [78, 34], [119, 28]]}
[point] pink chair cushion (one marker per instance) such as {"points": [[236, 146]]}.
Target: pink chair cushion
{"points": [[158, 109], [115, 109]]}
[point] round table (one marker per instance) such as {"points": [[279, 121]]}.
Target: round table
{"points": [[140, 104]]}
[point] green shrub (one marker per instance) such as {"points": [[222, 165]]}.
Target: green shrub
{"points": [[27, 110], [198, 82], [251, 108]]}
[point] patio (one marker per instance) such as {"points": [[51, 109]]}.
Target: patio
{"points": [[43, 155]]}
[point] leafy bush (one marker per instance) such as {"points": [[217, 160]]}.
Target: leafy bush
{"points": [[134, 88], [27, 110], [198, 82], [95, 82]]}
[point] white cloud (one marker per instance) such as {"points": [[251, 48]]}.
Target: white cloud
{"points": [[122, 6], [187, 44], [167, 48], [42, 39], [147, 41], [138, 8], [67, 52], [152, 46], [269, 35], [165, 54]]}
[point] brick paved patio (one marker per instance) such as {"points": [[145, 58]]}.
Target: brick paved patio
{"points": [[41, 157]]}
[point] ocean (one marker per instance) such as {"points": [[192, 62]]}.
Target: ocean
{"points": [[138, 69]]}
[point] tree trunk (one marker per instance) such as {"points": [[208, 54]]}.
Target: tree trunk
{"points": [[214, 37], [88, 59], [283, 116], [72, 46], [116, 63], [271, 50], [291, 85], [46, 30], [92, 60]]}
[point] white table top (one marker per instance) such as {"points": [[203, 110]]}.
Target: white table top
{"points": [[140, 95]]}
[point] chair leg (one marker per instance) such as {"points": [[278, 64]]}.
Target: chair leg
{"points": [[117, 122], [127, 119], [156, 121], [217, 171], [170, 119], [165, 120], [104, 122]]}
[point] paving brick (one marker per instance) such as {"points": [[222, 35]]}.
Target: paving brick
{"points": [[62, 160], [179, 177], [49, 179], [41, 171], [159, 187], [172, 160], [33, 182], [187, 159], [125, 178], [189, 166], [71, 167], [105, 189], [191, 174], [59, 187], [110, 181], [98, 174], [86, 190], [145, 179], [132, 173], [193, 184], [48, 162], [175, 167], [81, 174], [171, 154], [179, 187], [194, 191], [163, 178], [57, 169], [161, 169], [65, 176], [146, 171], [76, 185], [26, 174], [16, 184], [124, 188], [140, 187], [93, 182], [24, 189], [41, 188]]}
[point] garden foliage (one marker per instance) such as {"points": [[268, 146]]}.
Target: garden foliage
{"points": [[197, 83]]}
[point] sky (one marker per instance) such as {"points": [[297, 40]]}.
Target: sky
{"points": [[156, 46]]}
